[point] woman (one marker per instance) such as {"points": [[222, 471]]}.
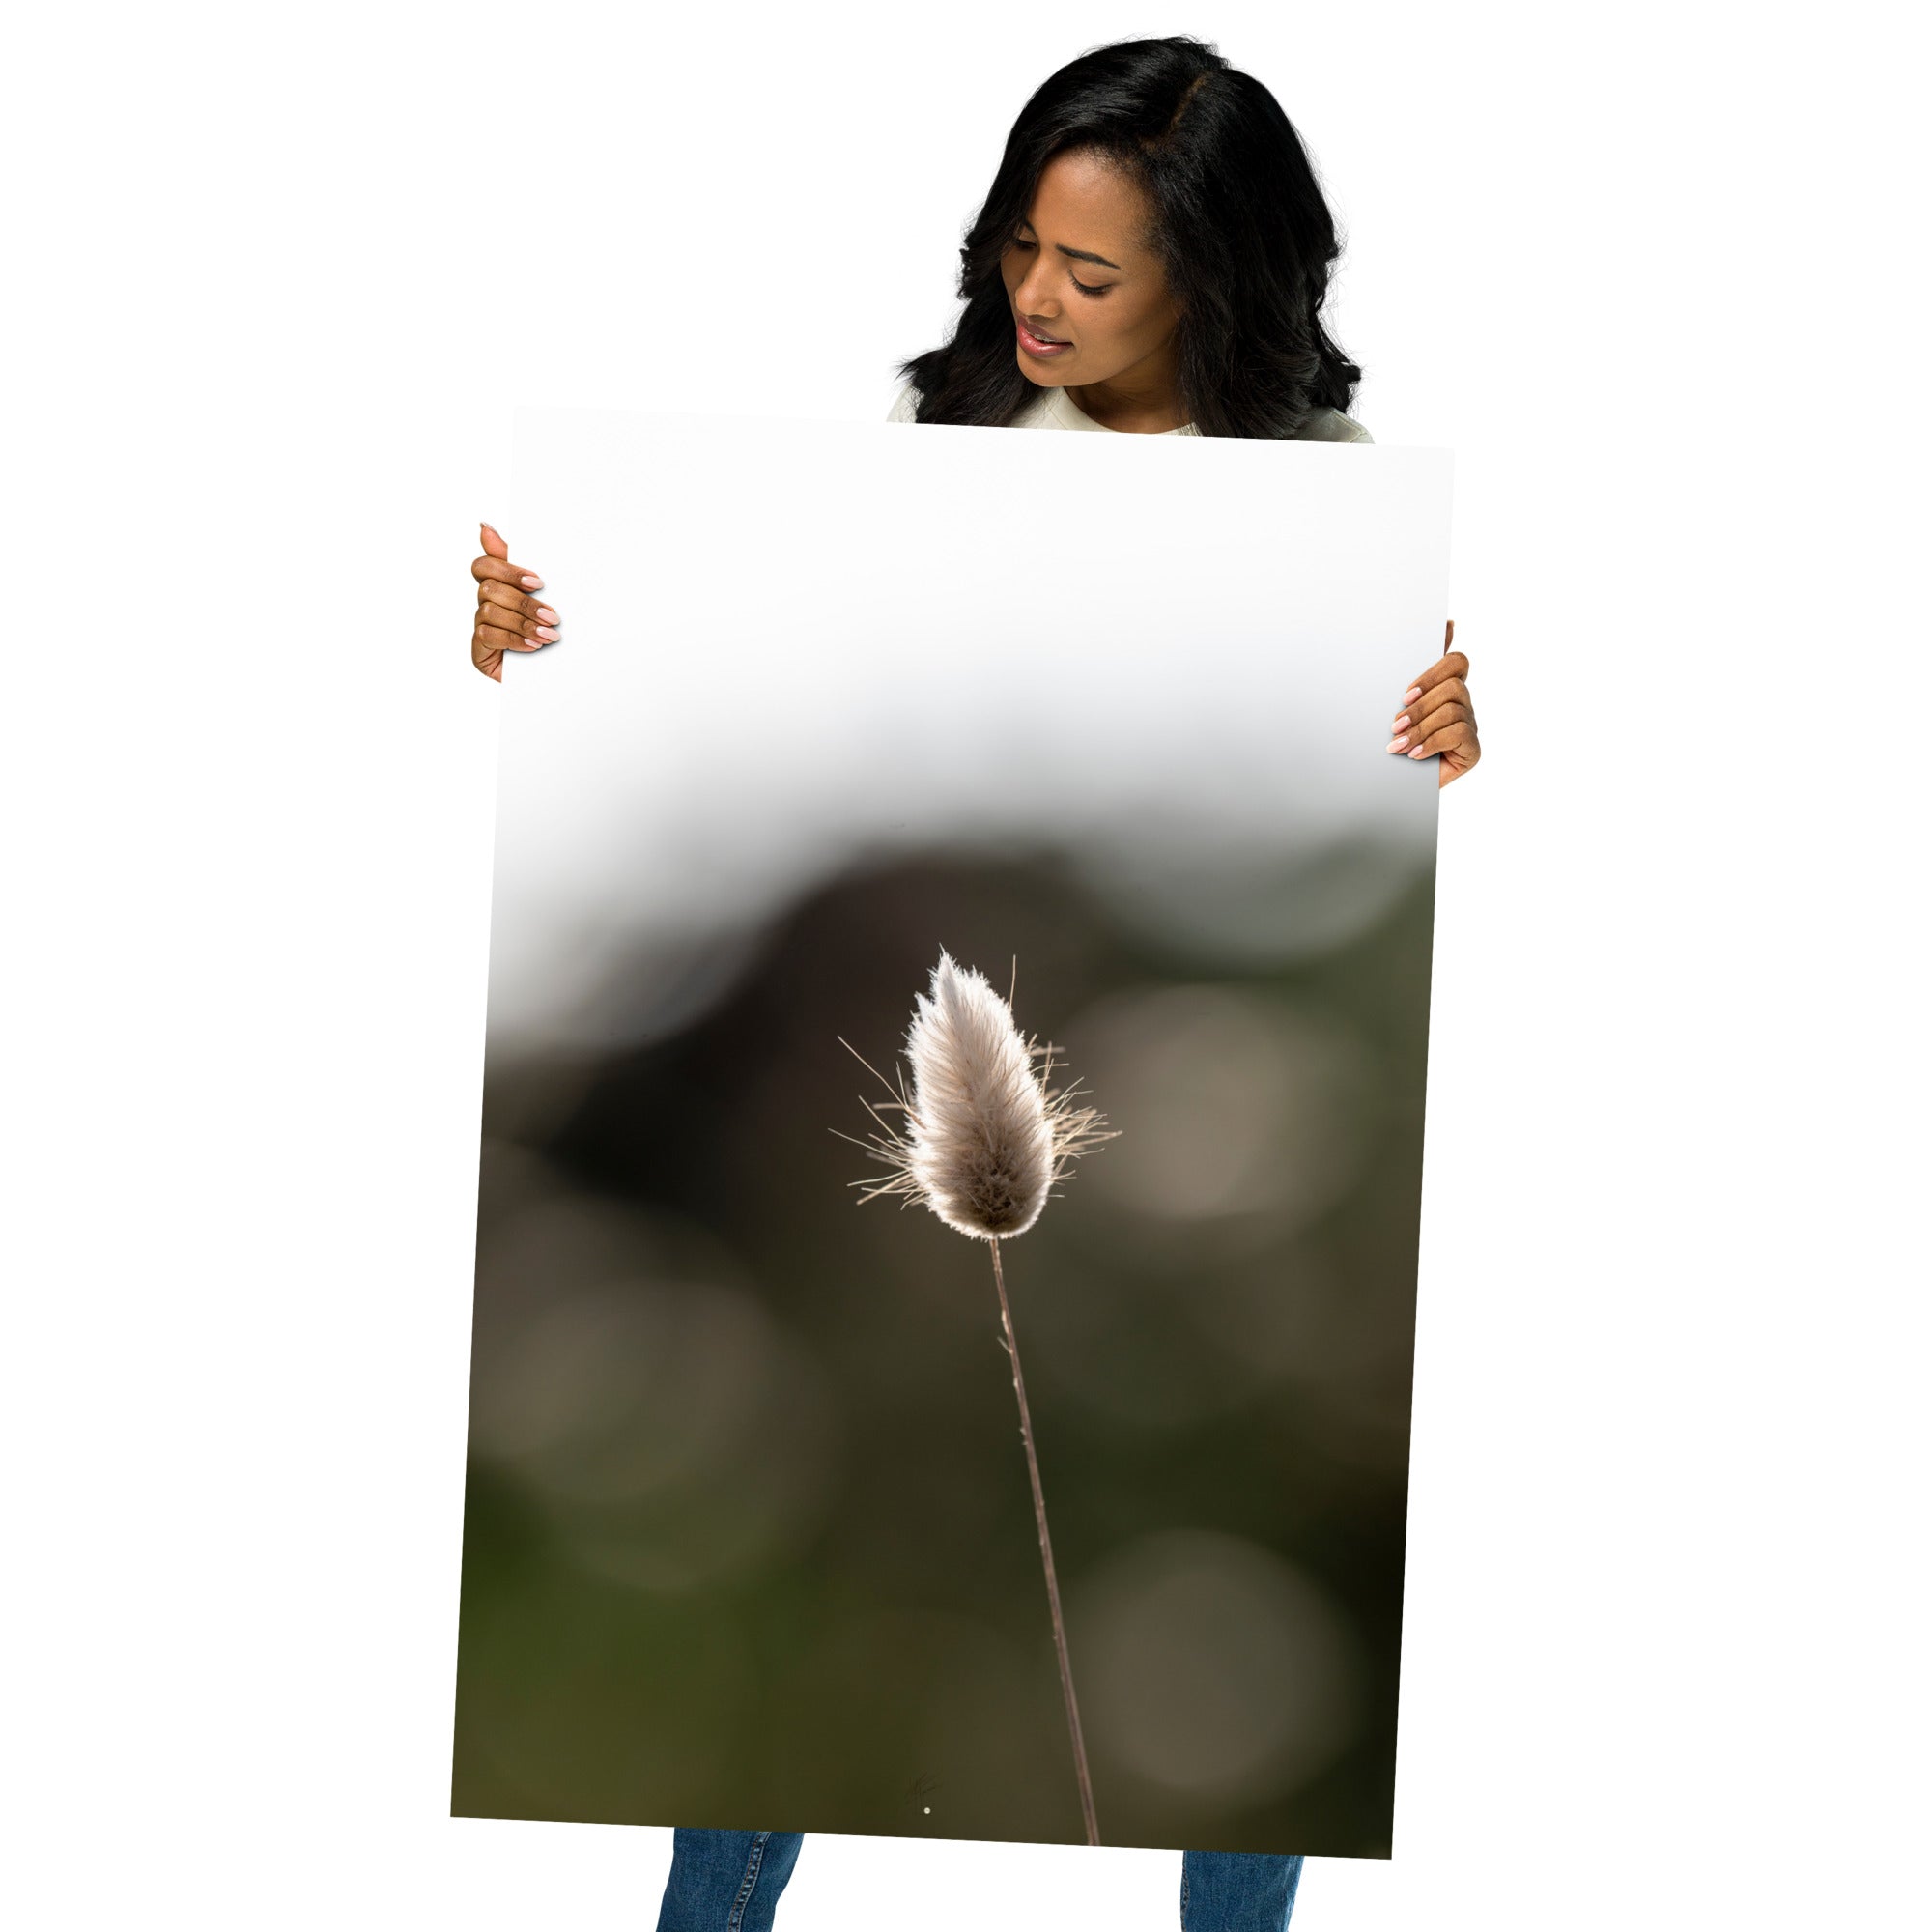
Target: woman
{"points": [[1151, 259]]}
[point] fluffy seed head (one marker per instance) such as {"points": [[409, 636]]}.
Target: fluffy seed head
{"points": [[986, 1137]]}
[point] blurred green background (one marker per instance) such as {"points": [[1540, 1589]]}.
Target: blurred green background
{"points": [[748, 1539]]}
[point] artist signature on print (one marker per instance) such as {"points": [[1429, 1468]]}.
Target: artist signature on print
{"points": [[918, 1792]]}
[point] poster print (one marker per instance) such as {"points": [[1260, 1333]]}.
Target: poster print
{"points": [[952, 1139]]}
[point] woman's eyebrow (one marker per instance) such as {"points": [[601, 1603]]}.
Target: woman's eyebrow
{"points": [[1082, 254]]}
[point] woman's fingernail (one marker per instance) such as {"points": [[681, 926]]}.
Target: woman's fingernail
{"points": [[532, 583], [1417, 752], [493, 529], [1395, 745], [544, 614], [1413, 692], [1400, 722], [546, 634]]}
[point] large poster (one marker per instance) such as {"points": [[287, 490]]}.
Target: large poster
{"points": [[952, 1131]]}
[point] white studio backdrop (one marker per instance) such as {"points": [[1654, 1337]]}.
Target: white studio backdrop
{"points": [[278, 280]]}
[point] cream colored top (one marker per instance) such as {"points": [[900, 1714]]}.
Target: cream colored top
{"points": [[1055, 409]]}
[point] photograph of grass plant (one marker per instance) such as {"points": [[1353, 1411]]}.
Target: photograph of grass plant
{"points": [[746, 1544], [981, 1139]]}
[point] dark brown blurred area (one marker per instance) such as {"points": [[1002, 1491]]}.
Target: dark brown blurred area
{"points": [[748, 1539]]}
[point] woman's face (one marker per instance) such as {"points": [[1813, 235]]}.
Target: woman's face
{"points": [[1091, 302]]}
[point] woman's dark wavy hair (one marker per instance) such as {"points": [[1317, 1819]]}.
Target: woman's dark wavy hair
{"points": [[1239, 224]]}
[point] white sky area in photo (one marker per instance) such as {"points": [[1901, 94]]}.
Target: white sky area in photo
{"points": [[1172, 651]]}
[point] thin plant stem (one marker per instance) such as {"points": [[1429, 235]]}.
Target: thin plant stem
{"points": [[1046, 1557]]}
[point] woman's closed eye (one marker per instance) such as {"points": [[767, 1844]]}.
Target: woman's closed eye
{"points": [[1085, 288]]}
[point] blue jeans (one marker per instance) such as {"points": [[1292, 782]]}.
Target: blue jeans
{"points": [[731, 1882]]}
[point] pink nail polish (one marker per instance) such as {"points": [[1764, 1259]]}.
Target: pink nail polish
{"points": [[532, 583], [544, 614], [546, 634], [1405, 719], [1410, 696], [1395, 745], [1417, 752]]}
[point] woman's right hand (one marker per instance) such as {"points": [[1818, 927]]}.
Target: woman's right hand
{"points": [[507, 617]]}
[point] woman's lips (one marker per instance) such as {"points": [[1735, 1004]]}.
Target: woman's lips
{"points": [[1041, 346]]}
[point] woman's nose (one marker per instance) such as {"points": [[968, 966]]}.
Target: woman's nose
{"points": [[1034, 298]]}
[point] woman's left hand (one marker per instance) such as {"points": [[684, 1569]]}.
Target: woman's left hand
{"points": [[1435, 719]]}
